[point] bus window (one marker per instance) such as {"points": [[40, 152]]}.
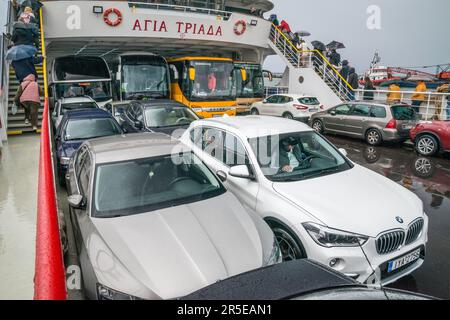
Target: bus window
{"points": [[74, 68]]}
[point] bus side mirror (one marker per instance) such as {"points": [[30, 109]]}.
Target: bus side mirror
{"points": [[192, 73], [269, 75], [244, 74]]}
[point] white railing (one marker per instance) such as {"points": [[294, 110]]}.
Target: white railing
{"points": [[186, 6], [433, 107], [270, 91], [312, 59]]}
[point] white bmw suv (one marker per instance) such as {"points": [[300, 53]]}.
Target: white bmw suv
{"points": [[319, 204]]}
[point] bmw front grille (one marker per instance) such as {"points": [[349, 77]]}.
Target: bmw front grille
{"points": [[390, 242], [414, 231]]}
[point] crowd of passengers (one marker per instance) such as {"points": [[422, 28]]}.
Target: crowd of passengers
{"points": [[22, 54]]}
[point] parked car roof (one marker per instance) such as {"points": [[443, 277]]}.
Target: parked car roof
{"points": [[251, 126], [76, 99], [295, 96], [87, 113], [159, 103], [133, 146]]}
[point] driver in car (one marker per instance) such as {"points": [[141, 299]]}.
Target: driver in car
{"points": [[291, 156]]}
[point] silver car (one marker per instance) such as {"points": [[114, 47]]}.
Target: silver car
{"points": [[72, 103], [152, 221], [372, 122]]}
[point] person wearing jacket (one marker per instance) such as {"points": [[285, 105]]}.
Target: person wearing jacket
{"points": [[368, 88], [28, 95], [418, 97], [353, 82], [27, 66], [345, 69], [335, 58], [394, 95], [25, 33], [291, 156]]}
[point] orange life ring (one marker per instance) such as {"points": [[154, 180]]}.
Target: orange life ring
{"points": [[240, 27], [115, 22]]}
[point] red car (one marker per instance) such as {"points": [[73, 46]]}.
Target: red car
{"points": [[430, 137]]}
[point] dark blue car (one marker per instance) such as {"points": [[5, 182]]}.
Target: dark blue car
{"points": [[78, 126]]}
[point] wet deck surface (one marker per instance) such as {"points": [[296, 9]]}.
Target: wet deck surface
{"points": [[428, 178], [18, 201]]}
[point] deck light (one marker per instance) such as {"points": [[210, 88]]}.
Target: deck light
{"points": [[97, 9]]}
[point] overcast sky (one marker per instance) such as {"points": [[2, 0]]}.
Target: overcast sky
{"points": [[413, 32]]}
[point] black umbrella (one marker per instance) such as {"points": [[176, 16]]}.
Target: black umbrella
{"points": [[318, 45], [335, 45], [303, 33]]}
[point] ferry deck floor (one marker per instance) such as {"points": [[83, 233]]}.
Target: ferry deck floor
{"points": [[18, 185]]}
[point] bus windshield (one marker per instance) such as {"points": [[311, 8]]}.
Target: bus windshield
{"points": [[144, 77], [254, 86], [100, 91], [214, 80]]}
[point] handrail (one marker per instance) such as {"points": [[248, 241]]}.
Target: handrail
{"points": [[192, 9], [49, 277], [315, 50]]}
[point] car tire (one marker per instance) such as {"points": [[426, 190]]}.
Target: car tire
{"points": [[288, 115], [291, 248], [373, 137], [254, 112], [427, 145], [317, 125]]}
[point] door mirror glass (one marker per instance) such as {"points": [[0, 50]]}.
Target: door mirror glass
{"points": [[240, 172], [76, 201], [222, 176], [333, 113], [343, 152]]}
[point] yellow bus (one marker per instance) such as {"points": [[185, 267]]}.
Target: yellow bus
{"points": [[205, 84], [250, 90]]}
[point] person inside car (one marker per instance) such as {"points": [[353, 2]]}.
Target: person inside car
{"points": [[291, 156]]}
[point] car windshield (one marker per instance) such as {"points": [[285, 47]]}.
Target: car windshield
{"points": [[80, 129], [167, 116], [297, 156], [100, 91], [138, 186], [403, 113], [81, 105]]}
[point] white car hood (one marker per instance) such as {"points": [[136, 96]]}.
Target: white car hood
{"points": [[357, 200], [178, 250]]}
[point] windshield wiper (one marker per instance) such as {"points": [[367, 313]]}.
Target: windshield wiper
{"points": [[323, 171]]}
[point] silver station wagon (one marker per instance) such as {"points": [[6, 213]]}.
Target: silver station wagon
{"points": [[372, 122]]}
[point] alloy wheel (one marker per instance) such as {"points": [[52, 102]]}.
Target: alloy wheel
{"points": [[426, 145], [288, 116], [254, 112], [373, 137], [317, 126], [290, 249]]}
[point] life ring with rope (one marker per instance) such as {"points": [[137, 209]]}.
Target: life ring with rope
{"points": [[240, 27], [110, 22]]}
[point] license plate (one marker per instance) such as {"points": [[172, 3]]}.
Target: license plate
{"points": [[407, 126], [216, 115], [313, 110], [403, 261]]}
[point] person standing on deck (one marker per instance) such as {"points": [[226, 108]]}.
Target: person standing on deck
{"points": [[394, 95], [418, 97], [368, 88], [353, 82], [28, 95]]}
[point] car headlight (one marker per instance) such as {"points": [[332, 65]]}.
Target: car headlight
{"points": [[275, 255], [328, 237], [105, 293], [64, 160]]}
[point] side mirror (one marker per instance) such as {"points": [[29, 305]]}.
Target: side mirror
{"points": [[333, 113], [76, 201], [343, 151], [138, 125], [222, 175], [240, 172], [192, 73], [264, 101]]}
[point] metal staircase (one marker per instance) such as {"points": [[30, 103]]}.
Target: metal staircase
{"points": [[312, 59], [16, 123]]}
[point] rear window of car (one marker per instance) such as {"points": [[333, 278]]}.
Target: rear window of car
{"points": [[75, 106], [309, 101], [403, 113], [378, 112]]}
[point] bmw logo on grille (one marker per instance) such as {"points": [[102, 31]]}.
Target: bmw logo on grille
{"points": [[399, 219]]}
